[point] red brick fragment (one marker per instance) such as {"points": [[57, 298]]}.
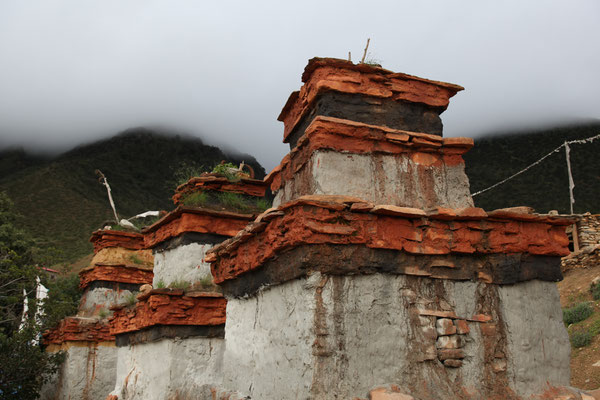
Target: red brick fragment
{"points": [[480, 318], [440, 314], [445, 326], [74, 329], [115, 273], [453, 363], [108, 238], [488, 329], [446, 354], [169, 309], [462, 327]]}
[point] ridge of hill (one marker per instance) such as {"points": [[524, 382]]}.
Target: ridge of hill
{"points": [[545, 186], [62, 202]]}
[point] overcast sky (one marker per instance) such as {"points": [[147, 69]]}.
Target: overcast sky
{"points": [[75, 71]]}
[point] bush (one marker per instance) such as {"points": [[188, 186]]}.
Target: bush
{"points": [[226, 170], [580, 339], [63, 299], [577, 314], [595, 327], [595, 292]]}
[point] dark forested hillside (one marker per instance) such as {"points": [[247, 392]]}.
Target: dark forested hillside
{"points": [[545, 186], [62, 202]]}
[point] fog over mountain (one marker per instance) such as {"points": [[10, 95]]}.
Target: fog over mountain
{"points": [[72, 72]]}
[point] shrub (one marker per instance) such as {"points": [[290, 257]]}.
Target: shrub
{"points": [[595, 292], [580, 339], [595, 327], [225, 170], [577, 314]]}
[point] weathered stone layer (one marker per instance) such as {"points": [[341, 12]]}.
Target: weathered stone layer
{"points": [[115, 273], [158, 332], [327, 133], [186, 219], [122, 256], [327, 74], [349, 259], [401, 115], [250, 187], [107, 238], [170, 307], [74, 329], [313, 220]]}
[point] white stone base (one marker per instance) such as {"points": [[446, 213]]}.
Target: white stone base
{"points": [[338, 337], [402, 180], [169, 368], [183, 263], [88, 372]]}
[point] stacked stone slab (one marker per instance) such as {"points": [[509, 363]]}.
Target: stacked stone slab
{"points": [[588, 230], [119, 267], [375, 268], [170, 343]]}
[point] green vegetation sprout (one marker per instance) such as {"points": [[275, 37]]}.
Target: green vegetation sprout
{"points": [[103, 313], [595, 292], [233, 201], [160, 284], [131, 299], [135, 259], [263, 204], [179, 284]]}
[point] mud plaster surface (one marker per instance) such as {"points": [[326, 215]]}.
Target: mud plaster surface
{"points": [[169, 369], [380, 179], [183, 263], [88, 373], [330, 337], [537, 338], [98, 298]]}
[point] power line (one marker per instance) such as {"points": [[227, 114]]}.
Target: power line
{"points": [[578, 141]]}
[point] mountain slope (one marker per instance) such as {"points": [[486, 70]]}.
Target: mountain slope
{"points": [[544, 187], [62, 201]]}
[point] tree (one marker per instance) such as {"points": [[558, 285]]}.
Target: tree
{"points": [[24, 365]]}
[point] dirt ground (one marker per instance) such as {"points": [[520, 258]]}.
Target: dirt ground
{"points": [[585, 361]]}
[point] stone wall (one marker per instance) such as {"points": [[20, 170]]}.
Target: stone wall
{"points": [[588, 229]]}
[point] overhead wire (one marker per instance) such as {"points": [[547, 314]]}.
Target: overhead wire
{"points": [[566, 143]]}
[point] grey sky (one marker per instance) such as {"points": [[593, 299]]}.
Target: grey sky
{"points": [[74, 71]]}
